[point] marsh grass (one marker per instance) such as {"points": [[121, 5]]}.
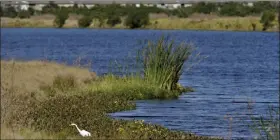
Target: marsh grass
{"points": [[89, 110], [88, 107], [266, 126], [131, 87], [163, 62], [61, 83], [74, 95]]}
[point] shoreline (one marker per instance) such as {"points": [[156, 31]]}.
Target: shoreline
{"points": [[92, 89], [243, 24], [206, 30]]}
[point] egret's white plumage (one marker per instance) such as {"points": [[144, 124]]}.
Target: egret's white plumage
{"points": [[83, 133]]}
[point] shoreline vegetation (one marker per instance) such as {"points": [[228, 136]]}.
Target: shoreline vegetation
{"points": [[229, 16], [40, 99], [250, 23]]}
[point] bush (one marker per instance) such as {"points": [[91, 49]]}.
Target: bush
{"points": [[205, 8], [31, 11], [87, 110], [60, 18], [85, 21], [137, 19], [234, 9], [23, 14], [267, 19], [51, 7], [10, 12], [163, 63], [1, 11], [113, 20]]}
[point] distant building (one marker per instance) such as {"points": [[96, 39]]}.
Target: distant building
{"points": [[250, 4], [38, 7], [24, 5]]}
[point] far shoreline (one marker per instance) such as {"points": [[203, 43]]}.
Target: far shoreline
{"points": [[76, 28], [235, 24]]}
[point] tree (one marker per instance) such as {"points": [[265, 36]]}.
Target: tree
{"points": [[23, 14], [50, 7], [60, 18], [234, 9], [10, 12], [113, 20], [1, 11], [137, 19], [75, 6], [85, 21], [205, 8], [31, 11], [101, 18], [267, 19]]}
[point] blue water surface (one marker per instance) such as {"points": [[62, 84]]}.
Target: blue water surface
{"points": [[235, 67]]}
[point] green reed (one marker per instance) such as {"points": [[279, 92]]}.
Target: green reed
{"points": [[163, 62]]}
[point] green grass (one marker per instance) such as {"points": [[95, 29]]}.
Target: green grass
{"points": [[87, 99], [132, 87], [163, 62], [267, 126], [89, 110]]}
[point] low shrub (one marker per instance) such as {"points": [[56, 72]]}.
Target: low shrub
{"points": [[31, 11], [60, 18], [267, 19], [10, 12], [137, 19], [88, 111], [113, 20], [1, 11], [85, 21], [24, 14]]}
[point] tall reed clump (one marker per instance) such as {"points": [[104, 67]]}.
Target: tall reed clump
{"points": [[163, 62], [267, 126]]}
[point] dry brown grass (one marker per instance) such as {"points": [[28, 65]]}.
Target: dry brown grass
{"points": [[19, 79], [8, 133], [28, 76]]}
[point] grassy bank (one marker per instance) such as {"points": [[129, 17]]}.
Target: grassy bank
{"points": [[41, 99], [216, 23]]}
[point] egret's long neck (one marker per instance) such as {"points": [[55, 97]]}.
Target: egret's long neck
{"points": [[78, 128]]}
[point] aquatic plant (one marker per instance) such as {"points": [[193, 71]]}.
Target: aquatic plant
{"points": [[267, 126], [163, 62]]}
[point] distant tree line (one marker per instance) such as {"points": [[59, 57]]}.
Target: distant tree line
{"points": [[139, 17]]}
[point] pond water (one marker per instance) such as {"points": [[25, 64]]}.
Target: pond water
{"points": [[236, 67]]}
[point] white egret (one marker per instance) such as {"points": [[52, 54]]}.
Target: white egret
{"points": [[84, 133]]}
